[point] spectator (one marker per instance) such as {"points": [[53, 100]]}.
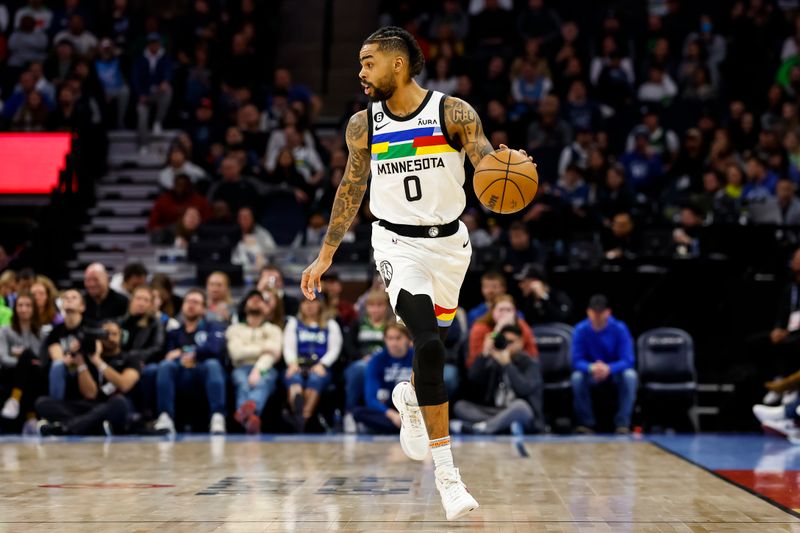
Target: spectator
{"points": [[18, 99], [541, 302], [341, 308], [102, 302], [194, 358], [152, 85], [60, 63], [364, 339], [32, 116], [171, 205], [505, 390], [540, 23], [83, 40], [178, 163], [572, 189], [643, 167], [659, 87], [66, 341], [602, 352], [452, 16], [133, 275], [181, 233], [235, 191], [612, 77], [116, 90], [493, 284], [581, 112], [143, 334], [528, 89], [502, 313], [622, 242], [479, 237], [251, 252], [385, 369], [35, 9], [550, 131], [761, 182], [442, 78], [272, 278], [254, 347], [99, 405], [44, 296], [26, 44], [522, 249], [577, 153], [219, 306], [788, 203], [662, 141], [489, 28], [686, 236], [61, 17], [311, 345], [20, 367]]}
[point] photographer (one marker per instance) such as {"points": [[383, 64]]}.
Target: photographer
{"points": [[99, 405], [505, 389]]}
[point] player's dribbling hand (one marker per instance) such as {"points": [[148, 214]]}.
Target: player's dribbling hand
{"points": [[523, 152], [312, 275]]}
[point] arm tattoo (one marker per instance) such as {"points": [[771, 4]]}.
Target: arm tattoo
{"points": [[354, 183], [464, 124]]}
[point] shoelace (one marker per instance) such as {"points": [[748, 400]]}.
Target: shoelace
{"points": [[415, 422], [450, 480]]}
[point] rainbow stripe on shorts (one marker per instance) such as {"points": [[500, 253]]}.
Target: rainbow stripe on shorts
{"points": [[409, 143], [444, 316]]}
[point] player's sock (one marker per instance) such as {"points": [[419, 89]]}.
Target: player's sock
{"points": [[440, 450]]}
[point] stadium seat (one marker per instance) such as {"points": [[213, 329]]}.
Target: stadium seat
{"points": [[554, 342], [666, 371]]}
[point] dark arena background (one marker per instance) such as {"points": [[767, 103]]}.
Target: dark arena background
{"points": [[152, 148]]}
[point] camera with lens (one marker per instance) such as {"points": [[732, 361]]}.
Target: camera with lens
{"points": [[500, 342]]}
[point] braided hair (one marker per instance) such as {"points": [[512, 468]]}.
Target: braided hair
{"points": [[394, 39]]}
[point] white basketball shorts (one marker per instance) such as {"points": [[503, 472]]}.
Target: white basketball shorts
{"points": [[432, 266]]}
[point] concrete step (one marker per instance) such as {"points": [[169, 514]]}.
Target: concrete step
{"points": [[129, 223], [132, 191], [86, 257], [120, 240], [124, 207]]}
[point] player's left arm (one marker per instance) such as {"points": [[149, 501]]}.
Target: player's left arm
{"points": [[464, 126]]}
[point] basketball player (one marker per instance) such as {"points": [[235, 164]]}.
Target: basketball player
{"points": [[413, 143]]}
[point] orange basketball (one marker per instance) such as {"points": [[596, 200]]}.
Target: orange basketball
{"points": [[505, 181]]}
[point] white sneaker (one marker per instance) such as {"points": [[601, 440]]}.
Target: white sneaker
{"points": [[783, 427], [217, 426], [456, 499], [772, 398], [157, 129], [413, 434], [789, 397], [10, 409], [164, 424], [349, 424], [765, 413]]}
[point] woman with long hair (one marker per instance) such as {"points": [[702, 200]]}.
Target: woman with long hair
{"points": [[19, 360], [311, 345], [44, 295], [502, 313]]}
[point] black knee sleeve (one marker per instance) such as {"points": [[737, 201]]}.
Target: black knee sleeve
{"points": [[429, 353]]}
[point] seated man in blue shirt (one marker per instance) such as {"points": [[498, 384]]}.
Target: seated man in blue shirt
{"points": [[602, 351], [194, 359], [386, 369]]}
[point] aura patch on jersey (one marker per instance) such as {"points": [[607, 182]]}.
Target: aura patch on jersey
{"points": [[444, 316], [408, 143]]}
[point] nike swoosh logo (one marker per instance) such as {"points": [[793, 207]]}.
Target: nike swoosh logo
{"points": [[379, 128], [465, 244], [394, 241]]}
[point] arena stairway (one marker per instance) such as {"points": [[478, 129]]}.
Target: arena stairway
{"points": [[116, 233]]}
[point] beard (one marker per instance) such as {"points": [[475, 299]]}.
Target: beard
{"points": [[383, 93]]}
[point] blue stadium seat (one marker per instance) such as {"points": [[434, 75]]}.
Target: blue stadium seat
{"points": [[554, 342]]}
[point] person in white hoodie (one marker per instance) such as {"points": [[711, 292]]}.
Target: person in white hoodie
{"points": [[254, 347]]}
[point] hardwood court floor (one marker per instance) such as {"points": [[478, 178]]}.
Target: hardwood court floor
{"points": [[285, 484]]}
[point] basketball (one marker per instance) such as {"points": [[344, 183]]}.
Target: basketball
{"points": [[505, 181]]}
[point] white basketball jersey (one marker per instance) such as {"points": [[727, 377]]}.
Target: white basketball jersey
{"points": [[417, 174]]}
